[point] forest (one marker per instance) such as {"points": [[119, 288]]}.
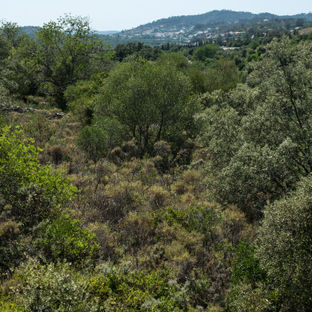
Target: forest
{"points": [[167, 178]]}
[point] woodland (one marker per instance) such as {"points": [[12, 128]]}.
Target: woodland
{"points": [[168, 178]]}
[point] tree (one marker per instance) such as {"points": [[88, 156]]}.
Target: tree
{"points": [[284, 248], [68, 51], [4, 49], [263, 144], [124, 50], [12, 33], [150, 100], [7, 85], [205, 52]]}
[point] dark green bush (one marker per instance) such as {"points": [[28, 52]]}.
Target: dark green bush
{"points": [[94, 141]]}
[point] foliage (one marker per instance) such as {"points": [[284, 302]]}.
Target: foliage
{"points": [[80, 97], [29, 192], [122, 51], [161, 222], [123, 289], [149, 100], [284, 248], [94, 141], [53, 287], [262, 143], [65, 239], [246, 298], [205, 52], [60, 288], [12, 33], [200, 219], [246, 267], [67, 51], [274, 275], [33, 191]]}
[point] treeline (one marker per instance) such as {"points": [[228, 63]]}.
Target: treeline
{"points": [[178, 178]]}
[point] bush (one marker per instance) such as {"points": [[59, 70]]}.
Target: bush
{"points": [[29, 194], [246, 298], [285, 248], [246, 267], [33, 191], [124, 290], [52, 288], [98, 139], [65, 239], [94, 141]]}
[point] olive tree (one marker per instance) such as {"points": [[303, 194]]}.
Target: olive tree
{"points": [[151, 101]]}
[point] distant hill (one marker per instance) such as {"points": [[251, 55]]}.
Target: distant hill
{"points": [[187, 28], [182, 29], [30, 30], [223, 16], [215, 17], [106, 32]]}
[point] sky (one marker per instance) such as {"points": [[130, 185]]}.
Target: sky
{"points": [[126, 14]]}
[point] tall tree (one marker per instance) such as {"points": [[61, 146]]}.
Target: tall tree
{"points": [[67, 52]]}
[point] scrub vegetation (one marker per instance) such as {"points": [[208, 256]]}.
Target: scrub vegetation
{"points": [[142, 178]]}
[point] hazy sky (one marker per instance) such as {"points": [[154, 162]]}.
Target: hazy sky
{"points": [[125, 14]]}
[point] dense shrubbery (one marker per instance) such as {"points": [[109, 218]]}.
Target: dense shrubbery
{"points": [[171, 161], [32, 196], [275, 274], [258, 135]]}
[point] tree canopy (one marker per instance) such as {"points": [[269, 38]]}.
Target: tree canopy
{"points": [[67, 51], [152, 101]]}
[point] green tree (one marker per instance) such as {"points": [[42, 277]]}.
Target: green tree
{"points": [[151, 101], [7, 84], [29, 193], [21, 73], [80, 97], [4, 49], [285, 248], [11, 32], [67, 51], [263, 144], [205, 52]]}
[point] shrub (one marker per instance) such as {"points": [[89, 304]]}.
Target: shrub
{"points": [[246, 267], [29, 193], [125, 290], [285, 248], [137, 230], [246, 298], [58, 154], [94, 141], [52, 288], [33, 191], [65, 239], [158, 196], [193, 218]]}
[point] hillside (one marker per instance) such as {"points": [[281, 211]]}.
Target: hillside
{"points": [[183, 29], [163, 179], [208, 26], [30, 30]]}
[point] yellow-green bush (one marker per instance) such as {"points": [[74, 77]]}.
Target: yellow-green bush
{"points": [[65, 239]]}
